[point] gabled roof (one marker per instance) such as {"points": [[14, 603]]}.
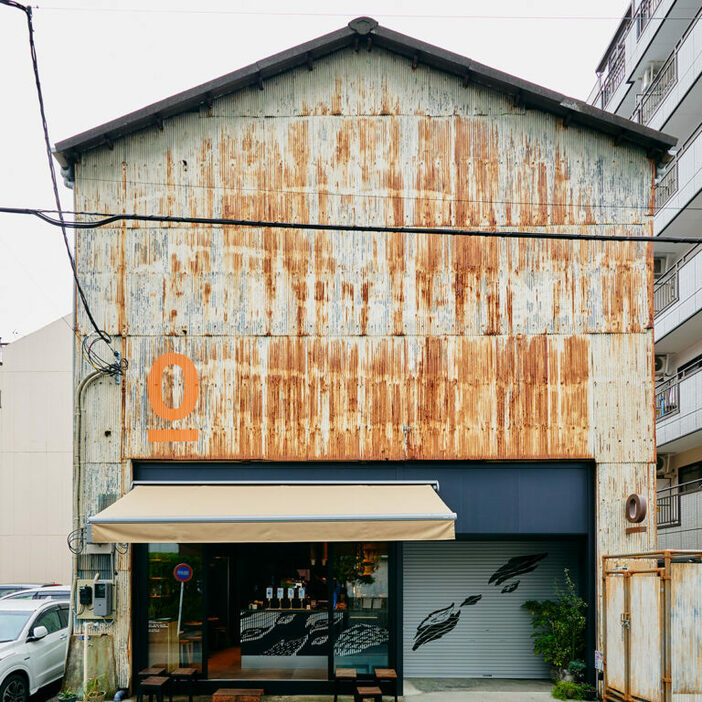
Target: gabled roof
{"points": [[366, 32]]}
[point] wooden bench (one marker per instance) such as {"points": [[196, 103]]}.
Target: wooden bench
{"points": [[155, 685], [387, 677], [344, 677], [368, 692], [184, 677], [225, 694]]}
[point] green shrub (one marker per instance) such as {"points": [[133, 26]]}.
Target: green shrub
{"points": [[559, 625], [566, 690]]}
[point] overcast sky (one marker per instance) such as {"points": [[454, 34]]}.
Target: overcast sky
{"points": [[99, 60]]}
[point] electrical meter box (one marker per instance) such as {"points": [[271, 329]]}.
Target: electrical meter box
{"points": [[94, 599]]}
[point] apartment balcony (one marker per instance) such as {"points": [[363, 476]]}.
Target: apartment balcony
{"points": [[677, 302], [671, 102], [641, 39], [679, 413], [679, 514], [679, 192]]}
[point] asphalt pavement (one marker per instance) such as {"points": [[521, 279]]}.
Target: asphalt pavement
{"points": [[416, 690], [455, 690]]}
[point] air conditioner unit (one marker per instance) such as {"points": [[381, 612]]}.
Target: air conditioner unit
{"points": [[660, 264], [649, 75], [663, 466], [662, 365]]}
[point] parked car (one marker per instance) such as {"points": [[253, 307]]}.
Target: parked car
{"points": [[51, 592], [33, 641], [9, 588]]}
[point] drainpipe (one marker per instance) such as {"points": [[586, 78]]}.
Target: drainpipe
{"points": [[77, 486], [86, 633]]}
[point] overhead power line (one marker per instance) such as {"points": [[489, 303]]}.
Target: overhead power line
{"points": [[108, 218], [292, 13], [111, 367]]}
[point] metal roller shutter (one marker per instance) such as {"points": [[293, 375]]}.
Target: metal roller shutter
{"points": [[491, 637]]}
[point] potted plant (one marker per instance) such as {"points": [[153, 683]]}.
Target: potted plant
{"points": [[67, 695], [559, 631], [94, 690]]}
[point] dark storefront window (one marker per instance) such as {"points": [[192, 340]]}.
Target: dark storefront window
{"points": [[168, 645], [269, 611], [361, 603]]}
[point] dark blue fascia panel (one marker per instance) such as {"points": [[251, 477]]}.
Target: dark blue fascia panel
{"points": [[491, 498]]}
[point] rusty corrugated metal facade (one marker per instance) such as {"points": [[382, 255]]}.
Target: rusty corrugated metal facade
{"points": [[347, 346]]}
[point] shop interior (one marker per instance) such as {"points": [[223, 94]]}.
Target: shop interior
{"points": [[269, 611]]}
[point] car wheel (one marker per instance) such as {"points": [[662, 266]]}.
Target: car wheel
{"points": [[14, 689]]}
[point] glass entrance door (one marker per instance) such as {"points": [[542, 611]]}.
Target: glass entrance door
{"points": [[175, 603], [361, 588]]}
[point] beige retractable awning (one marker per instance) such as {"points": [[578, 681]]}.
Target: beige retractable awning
{"points": [[288, 513]]}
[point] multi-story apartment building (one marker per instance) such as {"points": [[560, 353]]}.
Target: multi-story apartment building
{"points": [[651, 73]]}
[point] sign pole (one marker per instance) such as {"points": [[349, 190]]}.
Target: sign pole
{"points": [[182, 573], [180, 610]]}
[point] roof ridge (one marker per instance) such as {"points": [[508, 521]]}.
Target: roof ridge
{"points": [[530, 94]]}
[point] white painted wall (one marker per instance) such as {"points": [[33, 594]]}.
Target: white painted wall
{"points": [[36, 449]]}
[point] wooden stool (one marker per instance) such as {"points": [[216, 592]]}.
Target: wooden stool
{"points": [[186, 651], [155, 685], [184, 675], [156, 671], [344, 676], [233, 695], [366, 692], [387, 677]]}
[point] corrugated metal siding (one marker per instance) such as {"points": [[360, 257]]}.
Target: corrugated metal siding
{"points": [[345, 346], [615, 644], [686, 632], [645, 642], [385, 149], [242, 281], [396, 397], [492, 637], [614, 483]]}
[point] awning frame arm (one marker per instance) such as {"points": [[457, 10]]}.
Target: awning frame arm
{"points": [[433, 483]]}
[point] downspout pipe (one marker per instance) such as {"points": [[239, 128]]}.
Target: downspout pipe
{"points": [[77, 486], [120, 695]]}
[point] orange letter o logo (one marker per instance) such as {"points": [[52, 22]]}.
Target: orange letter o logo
{"points": [[191, 389]]}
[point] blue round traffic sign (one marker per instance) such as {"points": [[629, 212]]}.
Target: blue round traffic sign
{"points": [[182, 572]]}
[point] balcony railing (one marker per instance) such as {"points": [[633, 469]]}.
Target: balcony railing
{"points": [[615, 76], [666, 78], [668, 185], [679, 515], [643, 15], [668, 507], [663, 83], [665, 291], [667, 398]]}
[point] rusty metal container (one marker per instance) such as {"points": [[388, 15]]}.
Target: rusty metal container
{"points": [[652, 626]]}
